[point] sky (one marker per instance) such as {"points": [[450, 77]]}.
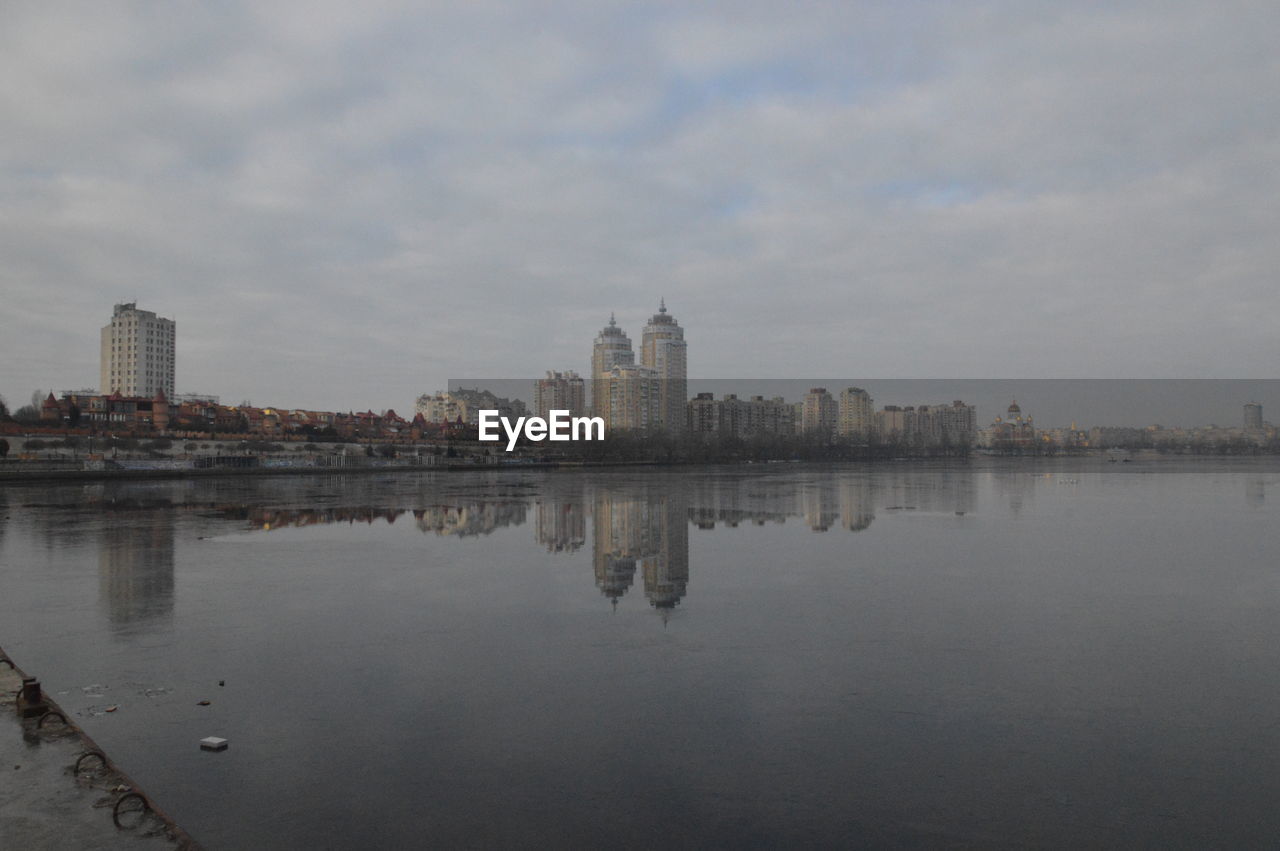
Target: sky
{"points": [[344, 205]]}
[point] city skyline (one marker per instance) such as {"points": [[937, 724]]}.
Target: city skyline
{"points": [[137, 340], [343, 209]]}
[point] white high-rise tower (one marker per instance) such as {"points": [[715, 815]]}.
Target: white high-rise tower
{"points": [[612, 348], [663, 349], [137, 353]]}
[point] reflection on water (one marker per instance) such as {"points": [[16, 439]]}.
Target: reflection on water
{"points": [[641, 526], [135, 573], [648, 532], [562, 525], [1022, 655]]}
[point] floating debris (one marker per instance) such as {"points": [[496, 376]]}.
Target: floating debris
{"points": [[202, 703], [213, 743], [112, 708]]}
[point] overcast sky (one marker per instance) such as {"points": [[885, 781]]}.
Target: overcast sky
{"points": [[346, 204]]}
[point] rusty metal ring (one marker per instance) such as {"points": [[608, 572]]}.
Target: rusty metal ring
{"points": [[99, 754], [115, 811], [45, 717]]}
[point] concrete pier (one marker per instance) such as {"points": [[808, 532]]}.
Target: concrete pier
{"points": [[48, 804]]}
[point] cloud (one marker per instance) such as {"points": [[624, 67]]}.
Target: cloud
{"points": [[344, 206]]}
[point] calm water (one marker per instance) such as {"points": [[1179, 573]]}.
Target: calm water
{"points": [[901, 655]]}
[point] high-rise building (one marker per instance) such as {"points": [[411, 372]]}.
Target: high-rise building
{"points": [[959, 422], [895, 421], [629, 398], [560, 391], [704, 414], [663, 349], [856, 414], [137, 353], [612, 348], [819, 412], [1253, 415], [463, 404]]}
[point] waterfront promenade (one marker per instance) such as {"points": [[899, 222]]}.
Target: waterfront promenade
{"points": [[48, 804]]}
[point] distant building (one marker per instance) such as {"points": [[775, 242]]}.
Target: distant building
{"points": [[895, 421], [630, 397], [770, 416], [951, 424], [703, 414], [1015, 431], [739, 417], [612, 348], [855, 413], [137, 356], [112, 411], [819, 412], [560, 391], [1253, 416], [464, 405], [663, 349]]}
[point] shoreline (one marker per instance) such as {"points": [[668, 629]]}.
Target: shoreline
{"points": [[33, 476], [66, 806]]}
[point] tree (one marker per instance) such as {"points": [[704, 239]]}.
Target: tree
{"points": [[4, 447], [4, 411], [27, 414]]}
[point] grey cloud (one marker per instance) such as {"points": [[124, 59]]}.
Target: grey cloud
{"points": [[344, 206]]}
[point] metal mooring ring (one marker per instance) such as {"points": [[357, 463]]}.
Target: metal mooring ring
{"points": [[115, 811], [99, 754], [45, 717]]}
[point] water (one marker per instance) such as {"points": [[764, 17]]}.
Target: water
{"points": [[1053, 654]]}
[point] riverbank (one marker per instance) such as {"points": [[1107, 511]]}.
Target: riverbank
{"points": [[22, 473], [62, 790]]}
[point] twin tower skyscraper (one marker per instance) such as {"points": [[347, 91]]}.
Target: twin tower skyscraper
{"points": [[650, 395]]}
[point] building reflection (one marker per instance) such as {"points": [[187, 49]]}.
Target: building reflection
{"points": [[470, 518], [135, 571], [666, 570], [561, 526], [640, 525], [465, 518], [266, 519], [645, 532]]}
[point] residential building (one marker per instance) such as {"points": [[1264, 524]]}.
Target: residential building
{"points": [[630, 397], [137, 355], [739, 417], [819, 412], [855, 413], [612, 348], [560, 391], [463, 405], [663, 349], [1253, 416]]}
